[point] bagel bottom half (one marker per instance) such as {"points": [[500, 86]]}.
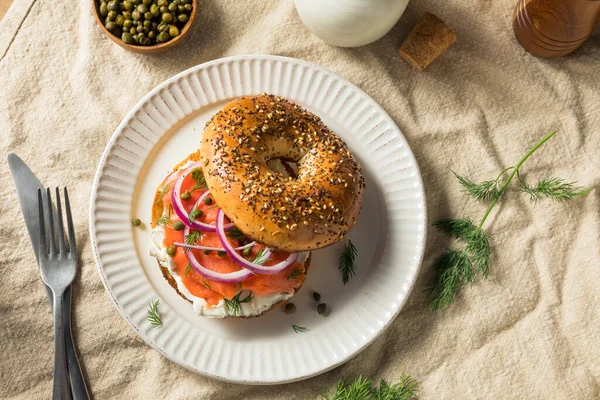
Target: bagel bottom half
{"points": [[158, 210]]}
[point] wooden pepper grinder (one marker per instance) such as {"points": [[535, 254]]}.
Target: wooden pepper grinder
{"points": [[554, 28]]}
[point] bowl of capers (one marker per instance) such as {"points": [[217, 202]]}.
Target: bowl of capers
{"points": [[145, 26]]}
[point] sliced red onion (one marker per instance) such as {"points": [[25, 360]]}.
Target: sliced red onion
{"points": [[257, 268], [181, 211], [188, 246], [230, 277]]}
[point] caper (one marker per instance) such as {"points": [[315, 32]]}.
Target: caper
{"points": [[163, 37], [171, 249], [142, 8], [196, 214], [221, 253], [186, 195], [207, 252], [136, 222], [132, 30], [154, 25], [148, 15], [162, 27], [172, 7], [119, 20], [290, 308], [322, 308], [177, 225], [186, 1], [110, 25], [316, 296], [173, 31], [136, 15], [188, 7], [154, 10], [180, 8], [176, 2], [161, 3], [127, 23], [103, 9], [247, 251], [163, 9], [147, 24], [127, 38], [183, 18], [127, 5], [135, 2], [144, 41], [113, 5], [167, 18], [126, 15], [141, 33], [152, 35], [147, 2], [207, 200], [112, 15]]}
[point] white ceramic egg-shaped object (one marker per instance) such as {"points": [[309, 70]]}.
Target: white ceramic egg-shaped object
{"points": [[350, 23]]}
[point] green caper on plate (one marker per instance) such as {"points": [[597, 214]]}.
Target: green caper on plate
{"points": [[145, 22]]}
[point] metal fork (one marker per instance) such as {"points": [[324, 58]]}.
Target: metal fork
{"points": [[58, 268]]}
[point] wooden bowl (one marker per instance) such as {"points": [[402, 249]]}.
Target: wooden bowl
{"points": [[147, 49]]}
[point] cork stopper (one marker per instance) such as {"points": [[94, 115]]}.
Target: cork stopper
{"points": [[428, 39]]}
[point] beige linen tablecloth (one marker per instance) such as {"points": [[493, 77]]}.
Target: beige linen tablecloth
{"points": [[531, 331]]}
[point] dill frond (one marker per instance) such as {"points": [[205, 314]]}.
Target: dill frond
{"points": [[192, 239], [483, 191], [296, 272], [262, 257], [162, 192], [299, 329], [154, 314], [452, 269], [555, 189], [363, 389], [234, 305], [459, 229], [346, 262]]}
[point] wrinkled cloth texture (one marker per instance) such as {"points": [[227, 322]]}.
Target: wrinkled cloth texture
{"points": [[530, 331]]}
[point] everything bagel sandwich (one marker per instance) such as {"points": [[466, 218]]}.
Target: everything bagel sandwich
{"points": [[234, 223]]}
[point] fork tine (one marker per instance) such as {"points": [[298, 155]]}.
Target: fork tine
{"points": [[42, 245], [50, 223], [61, 228], [72, 245]]}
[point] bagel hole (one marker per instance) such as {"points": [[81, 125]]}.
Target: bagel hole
{"points": [[283, 167]]}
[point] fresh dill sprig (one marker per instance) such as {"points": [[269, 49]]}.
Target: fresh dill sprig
{"points": [[187, 270], [166, 218], [299, 329], [194, 213], [234, 305], [554, 189], [346, 262], [485, 190], [296, 272], [363, 389], [455, 268], [192, 239], [235, 233], [263, 256], [154, 314], [162, 192], [198, 176]]}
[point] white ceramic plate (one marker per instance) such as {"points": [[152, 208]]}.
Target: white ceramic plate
{"points": [[163, 128]]}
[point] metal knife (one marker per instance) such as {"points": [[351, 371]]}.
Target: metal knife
{"points": [[27, 189]]}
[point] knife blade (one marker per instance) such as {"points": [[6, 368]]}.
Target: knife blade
{"points": [[27, 190]]}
